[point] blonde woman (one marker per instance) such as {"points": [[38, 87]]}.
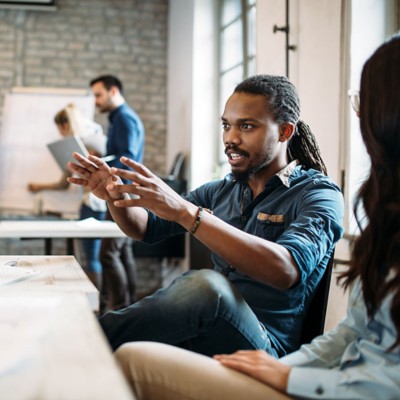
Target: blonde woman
{"points": [[70, 121]]}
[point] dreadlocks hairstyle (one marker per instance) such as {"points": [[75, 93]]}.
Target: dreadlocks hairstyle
{"points": [[284, 104], [376, 253]]}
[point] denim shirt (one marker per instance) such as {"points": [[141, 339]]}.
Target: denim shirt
{"points": [[298, 209], [351, 361], [125, 136]]}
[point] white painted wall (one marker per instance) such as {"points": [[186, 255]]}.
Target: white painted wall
{"points": [[204, 124], [180, 78], [315, 65]]}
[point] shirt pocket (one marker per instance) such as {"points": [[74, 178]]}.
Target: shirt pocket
{"points": [[270, 226]]}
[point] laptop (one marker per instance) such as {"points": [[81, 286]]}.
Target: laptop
{"points": [[62, 150]]}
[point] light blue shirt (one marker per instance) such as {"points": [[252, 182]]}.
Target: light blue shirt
{"points": [[350, 361]]}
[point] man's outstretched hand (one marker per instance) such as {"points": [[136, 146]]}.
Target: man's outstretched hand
{"points": [[94, 174]]}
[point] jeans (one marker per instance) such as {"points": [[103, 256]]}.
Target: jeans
{"points": [[119, 274], [200, 311], [91, 247]]}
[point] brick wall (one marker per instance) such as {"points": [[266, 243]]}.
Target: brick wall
{"points": [[86, 38], [83, 39]]}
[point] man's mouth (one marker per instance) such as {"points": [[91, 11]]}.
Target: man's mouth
{"points": [[235, 156]]}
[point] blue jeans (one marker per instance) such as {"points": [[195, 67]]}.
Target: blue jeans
{"points": [[91, 247], [200, 311]]}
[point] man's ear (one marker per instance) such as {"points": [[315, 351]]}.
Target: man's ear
{"points": [[114, 90], [286, 131]]}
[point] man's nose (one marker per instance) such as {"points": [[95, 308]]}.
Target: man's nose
{"points": [[232, 136]]}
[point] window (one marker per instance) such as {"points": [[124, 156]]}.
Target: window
{"points": [[237, 52]]}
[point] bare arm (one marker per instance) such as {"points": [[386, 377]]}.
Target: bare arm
{"points": [[270, 262], [62, 184]]}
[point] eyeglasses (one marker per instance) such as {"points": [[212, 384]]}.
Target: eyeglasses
{"points": [[354, 96]]}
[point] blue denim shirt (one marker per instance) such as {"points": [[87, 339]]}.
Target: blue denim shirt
{"points": [[300, 210], [351, 361], [125, 136]]}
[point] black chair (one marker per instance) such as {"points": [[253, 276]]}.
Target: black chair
{"points": [[175, 179], [316, 314]]}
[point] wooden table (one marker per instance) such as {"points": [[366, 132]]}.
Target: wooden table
{"points": [[57, 274], [51, 344], [48, 230]]}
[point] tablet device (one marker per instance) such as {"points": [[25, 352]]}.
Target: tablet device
{"points": [[62, 150]]}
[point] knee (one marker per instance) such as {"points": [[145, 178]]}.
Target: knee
{"points": [[210, 286], [124, 355]]}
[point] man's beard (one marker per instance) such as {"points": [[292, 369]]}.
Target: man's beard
{"points": [[244, 176]]}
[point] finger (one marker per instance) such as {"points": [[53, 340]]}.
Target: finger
{"points": [[140, 168], [77, 181], [127, 203], [91, 163], [73, 167], [125, 174], [98, 162]]}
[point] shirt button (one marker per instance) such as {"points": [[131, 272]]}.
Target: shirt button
{"points": [[243, 218], [319, 390]]}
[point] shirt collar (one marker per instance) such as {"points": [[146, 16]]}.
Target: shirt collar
{"points": [[115, 111], [284, 173]]}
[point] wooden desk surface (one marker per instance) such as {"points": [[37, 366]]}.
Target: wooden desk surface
{"points": [[53, 348], [57, 274], [51, 344]]}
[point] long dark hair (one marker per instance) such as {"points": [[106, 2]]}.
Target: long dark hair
{"points": [[284, 104], [376, 253]]}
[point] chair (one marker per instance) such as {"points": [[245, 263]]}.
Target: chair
{"points": [[316, 314], [175, 179]]}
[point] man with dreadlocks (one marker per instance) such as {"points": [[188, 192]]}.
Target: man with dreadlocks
{"points": [[271, 226]]}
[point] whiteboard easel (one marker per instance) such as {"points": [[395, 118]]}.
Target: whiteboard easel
{"points": [[28, 125]]}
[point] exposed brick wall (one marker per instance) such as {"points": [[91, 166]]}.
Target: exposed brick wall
{"points": [[86, 38], [79, 41]]}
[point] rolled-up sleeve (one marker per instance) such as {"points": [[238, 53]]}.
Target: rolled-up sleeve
{"points": [[317, 227]]}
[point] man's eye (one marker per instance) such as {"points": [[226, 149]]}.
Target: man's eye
{"points": [[247, 126], [225, 126]]}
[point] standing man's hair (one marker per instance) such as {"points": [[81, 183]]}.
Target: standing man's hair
{"points": [[108, 81], [284, 104]]}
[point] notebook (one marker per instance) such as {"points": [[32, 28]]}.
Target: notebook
{"points": [[10, 274], [62, 150]]}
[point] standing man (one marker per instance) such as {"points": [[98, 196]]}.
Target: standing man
{"points": [[125, 138]]}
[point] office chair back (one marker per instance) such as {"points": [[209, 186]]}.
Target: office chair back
{"points": [[316, 314], [178, 167], [176, 179]]}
